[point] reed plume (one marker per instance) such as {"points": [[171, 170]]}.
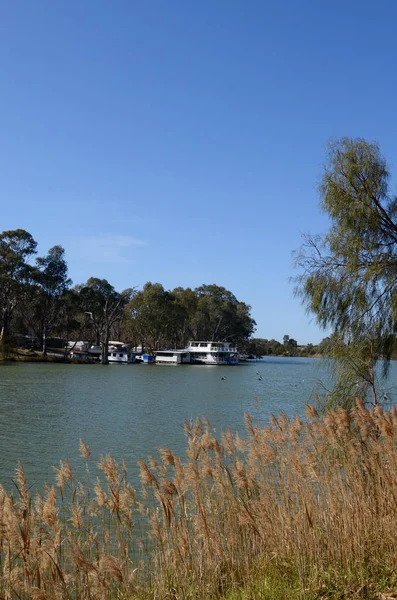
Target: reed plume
{"points": [[295, 508]]}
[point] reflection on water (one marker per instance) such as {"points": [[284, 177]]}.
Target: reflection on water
{"points": [[130, 410]]}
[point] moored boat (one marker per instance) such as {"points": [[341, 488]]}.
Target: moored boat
{"points": [[145, 359], [172, 357], [120, 354], [212, 353]]}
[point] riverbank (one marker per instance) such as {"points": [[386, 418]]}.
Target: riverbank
{"points": [[34, 356], [292, 510], [57, 356]]}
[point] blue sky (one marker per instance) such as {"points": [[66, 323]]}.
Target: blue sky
{"points": [[182, 141]]}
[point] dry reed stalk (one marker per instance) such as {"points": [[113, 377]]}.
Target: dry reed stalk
{"points": [[84, 450], [306, 498]]}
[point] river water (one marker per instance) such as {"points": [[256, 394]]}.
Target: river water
{"points": [[130, 410]]}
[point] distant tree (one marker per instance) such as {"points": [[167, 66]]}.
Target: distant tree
{"points": [[16, 248], [308, 350], [51, 282], [154, 317], [220, 316], [71, 323], [103, 306], [348, 277], [276, 348], [255, 347], [292, 346], [159, 318], [187, 301]]}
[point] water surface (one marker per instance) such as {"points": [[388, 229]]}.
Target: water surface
{"points": [[130, 410]]}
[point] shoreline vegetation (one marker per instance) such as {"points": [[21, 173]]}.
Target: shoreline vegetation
{"points": [[296, 509], [39, 305], [37, 301], [257, 347], [32, 356]]}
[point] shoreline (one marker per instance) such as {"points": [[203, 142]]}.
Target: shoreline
{"points": [[51, 358], [60, 359]]}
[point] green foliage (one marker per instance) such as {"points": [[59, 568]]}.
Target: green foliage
{"points": [[220, 316], [16, 247], [70, 321], [354, 369], [103, 306], [157, 318], [349, 274], [264, 347], [348, 277], [50, 284], [38, 299], [151, 316]]}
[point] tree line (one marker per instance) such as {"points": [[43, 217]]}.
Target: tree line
{"points": [[37, 297]]}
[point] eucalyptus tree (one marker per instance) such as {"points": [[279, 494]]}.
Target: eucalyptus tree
{"points": [[51, 282], [71, 322], [187, 301], [348, 276], [220, 316], [16, 275], [154, 317], [159, 318], [103, 306], [255, 346]]}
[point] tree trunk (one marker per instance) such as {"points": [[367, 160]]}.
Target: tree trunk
{"points": [[372, 373], [45, 340], [105, 349], [5, 340]]}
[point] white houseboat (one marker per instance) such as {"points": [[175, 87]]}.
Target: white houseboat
{"points": [[212, 353], [172, 357], [119, 353]]}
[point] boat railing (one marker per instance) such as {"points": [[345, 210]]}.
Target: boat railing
{"points": [[210, 348], [223, 349]]}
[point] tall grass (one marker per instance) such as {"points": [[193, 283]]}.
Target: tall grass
{"points": [[294, 509]]}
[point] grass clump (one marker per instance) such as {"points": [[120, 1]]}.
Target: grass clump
{"points": [[296, 509]]}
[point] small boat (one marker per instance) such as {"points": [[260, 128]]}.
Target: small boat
{"points": [[247, 358], [78, 354], [251, 358], [146, 359], [95, 350]]}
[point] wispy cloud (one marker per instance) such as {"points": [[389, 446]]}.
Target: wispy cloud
{"points": [[109, 248]]}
